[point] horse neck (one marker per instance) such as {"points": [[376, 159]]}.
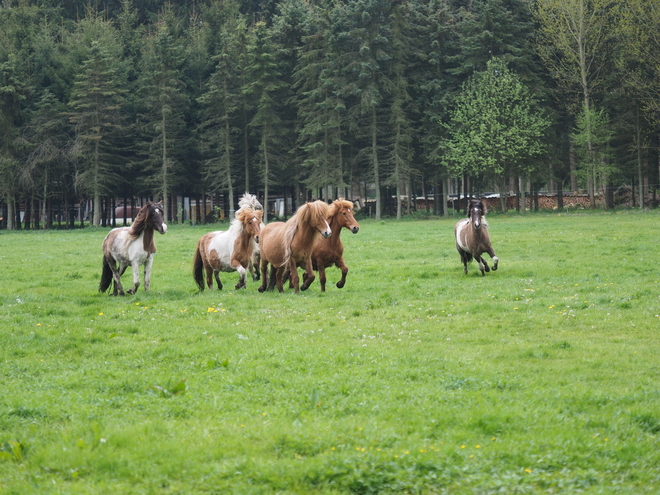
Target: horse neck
{"points": [[243, 241], [336, 228], [148, 240]]}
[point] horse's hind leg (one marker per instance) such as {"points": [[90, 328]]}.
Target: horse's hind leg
{"points": [[264, 275], [117, 272], [309, 275], [465, 258], [216, 274]]}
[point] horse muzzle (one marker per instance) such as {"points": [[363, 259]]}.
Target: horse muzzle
{"points": [[355, 229], [256, 239], [163, 228]]}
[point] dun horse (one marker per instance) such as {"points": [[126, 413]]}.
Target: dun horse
{"points": [[290, 244], [228, 251], [328, 252], [132, 246], [472, 239]]}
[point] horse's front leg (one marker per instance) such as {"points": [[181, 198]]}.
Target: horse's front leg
{"points": [[147, 274], [309, 274], [344, 271], [293, 276], [242, 274], [136, 277], [496, 260], [483, 266], [322, 278]]}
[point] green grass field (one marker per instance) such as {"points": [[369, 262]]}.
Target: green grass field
{"points": [[542, 377]]}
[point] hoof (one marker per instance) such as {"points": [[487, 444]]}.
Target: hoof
{"points": [[340, 285], [261, 288]]}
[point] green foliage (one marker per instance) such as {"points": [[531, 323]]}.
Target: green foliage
{"points": [[537, 378], [495, 126]]}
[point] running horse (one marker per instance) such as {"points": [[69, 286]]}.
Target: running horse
{"points": [[328, 252], [287, 245], [132, 246], [228, 251], [472, 238]]}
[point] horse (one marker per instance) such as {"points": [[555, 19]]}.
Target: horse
{"points": [[132, 246], [472, 238], [289, 245], [251, 201], [328, 252], [229, 250]]}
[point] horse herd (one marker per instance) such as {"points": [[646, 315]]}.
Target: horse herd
{"points": [[310, 240]]}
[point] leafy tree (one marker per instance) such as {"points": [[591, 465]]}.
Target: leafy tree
{"points": [[574, 39], [495, 126]]}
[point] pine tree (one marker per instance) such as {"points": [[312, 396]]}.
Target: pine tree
{"points": [[164, 98], [96, 111], [263, 88]]}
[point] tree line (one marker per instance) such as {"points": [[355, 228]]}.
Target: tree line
{"points": [[302, 99]]}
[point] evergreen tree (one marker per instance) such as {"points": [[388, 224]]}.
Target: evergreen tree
{"points": [[320, 110], [164, 98], [97, 113], [264, 87]]}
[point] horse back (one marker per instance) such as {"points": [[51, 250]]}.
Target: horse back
{"points": [[272, 246]]}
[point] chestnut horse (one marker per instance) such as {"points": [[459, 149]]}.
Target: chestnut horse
{"points": [[228, 251], [328, 252], [290, 244], [472, 239], [132, 246]]}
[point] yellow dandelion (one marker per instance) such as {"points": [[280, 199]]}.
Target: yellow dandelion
{"points": [[100, 314], [528, 470], [38, 324], [462, 446]]}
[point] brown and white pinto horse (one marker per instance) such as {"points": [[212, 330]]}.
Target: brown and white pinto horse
{"points": [[132, 246], [328, 252], [472, 238], [290, 244], [229, 250]]}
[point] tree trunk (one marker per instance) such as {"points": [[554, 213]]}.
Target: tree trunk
{"points": [[374, 152]]}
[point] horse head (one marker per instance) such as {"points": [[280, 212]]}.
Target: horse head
{"points": [[476, 212], [251, 220], [155, 217], [318, 214], [342, 210]]}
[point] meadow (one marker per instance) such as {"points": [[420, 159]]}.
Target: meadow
{"points": [[541, 377]]}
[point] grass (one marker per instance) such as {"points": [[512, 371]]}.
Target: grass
{"points": [[541, 377]]}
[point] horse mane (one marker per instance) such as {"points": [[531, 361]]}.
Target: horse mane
{"points": [[241, 215], [338, 204], [307, 214], [140, 221], [249, 201]]}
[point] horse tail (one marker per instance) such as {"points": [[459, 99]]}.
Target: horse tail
{"points": [[198, 268], [106, 276]]}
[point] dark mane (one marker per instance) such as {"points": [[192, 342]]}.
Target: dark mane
{"points": [[143, 222]]}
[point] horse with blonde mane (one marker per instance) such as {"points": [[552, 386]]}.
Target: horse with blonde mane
{"points": [[251, 201], [289, 245], [228, 251]]}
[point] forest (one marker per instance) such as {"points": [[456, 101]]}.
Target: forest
{"points": [[379, 101]]}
